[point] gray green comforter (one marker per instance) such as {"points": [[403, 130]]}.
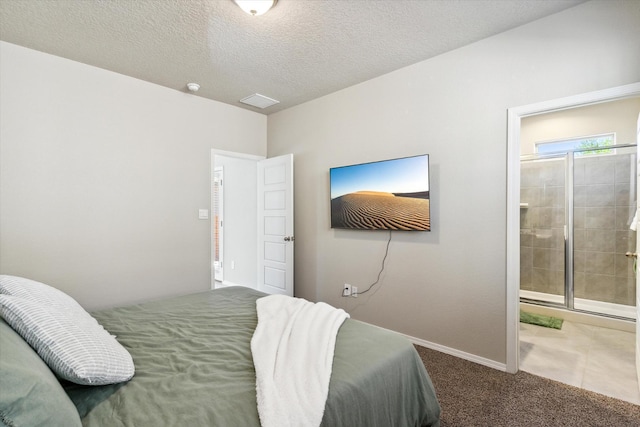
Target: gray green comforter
{"points": [[194, 368]]}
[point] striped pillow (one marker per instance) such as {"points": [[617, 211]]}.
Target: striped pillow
{"points": [[74, 345], [37, 292]]}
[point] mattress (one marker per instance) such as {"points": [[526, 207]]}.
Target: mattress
{"points": [[194, 367]]}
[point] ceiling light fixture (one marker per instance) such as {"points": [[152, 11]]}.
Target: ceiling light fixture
{"points": [[256, 7]]}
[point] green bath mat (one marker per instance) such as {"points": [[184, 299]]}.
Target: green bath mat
{"points": [[540, 320]]}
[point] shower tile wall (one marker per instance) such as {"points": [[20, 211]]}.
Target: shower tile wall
{"points": [[542, 218], [604, 205], [604, 202]]}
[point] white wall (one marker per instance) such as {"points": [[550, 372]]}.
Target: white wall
{"points": [[102, 176], [448, 286], [240, 222]]}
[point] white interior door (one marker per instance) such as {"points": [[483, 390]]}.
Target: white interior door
{"points": [[275, 225]]}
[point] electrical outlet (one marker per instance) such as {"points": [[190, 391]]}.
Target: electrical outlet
{"points": [[354, 291], [346, 291]]}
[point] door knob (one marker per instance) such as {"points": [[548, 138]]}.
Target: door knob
{"points": [[289, 238], [631, 255]]}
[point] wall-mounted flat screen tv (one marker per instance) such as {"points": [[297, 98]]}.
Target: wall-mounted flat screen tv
{"points": [[385, 195]]}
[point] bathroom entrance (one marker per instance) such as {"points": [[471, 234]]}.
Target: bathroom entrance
{"points": [[604, 112]]}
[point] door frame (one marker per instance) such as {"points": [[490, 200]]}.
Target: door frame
{"points": [[637, 346], [514, 117]]}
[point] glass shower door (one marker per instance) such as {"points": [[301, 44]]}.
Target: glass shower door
{"points": [[576, 217], [604, 205], [543, 220]]}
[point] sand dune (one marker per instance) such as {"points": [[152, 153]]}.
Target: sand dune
{"points": [[373, 210]]}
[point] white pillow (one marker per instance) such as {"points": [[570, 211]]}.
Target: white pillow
{"points": [[37, 292], [74, 345]]}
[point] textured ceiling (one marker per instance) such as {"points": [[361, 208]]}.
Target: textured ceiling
{"points": [[298, 51]]}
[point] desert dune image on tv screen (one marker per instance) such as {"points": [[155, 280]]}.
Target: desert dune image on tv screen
{"points": [[386, 195]]}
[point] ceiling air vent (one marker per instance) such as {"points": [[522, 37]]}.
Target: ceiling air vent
{"points": [[260, 101]]}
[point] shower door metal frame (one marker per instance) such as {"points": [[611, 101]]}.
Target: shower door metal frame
{"points": [[568, 233], [568, 230]]}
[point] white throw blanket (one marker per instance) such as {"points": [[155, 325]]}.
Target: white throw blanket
{"points": [[292, 349]]}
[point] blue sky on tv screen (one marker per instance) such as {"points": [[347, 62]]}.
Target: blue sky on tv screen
{"points": [[406, 175]]}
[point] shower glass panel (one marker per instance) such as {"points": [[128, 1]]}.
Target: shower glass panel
{"points": [[576, 214], [542, 229], [604, 207]]}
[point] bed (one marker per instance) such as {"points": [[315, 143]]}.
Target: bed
{"points": [[193, 366]]}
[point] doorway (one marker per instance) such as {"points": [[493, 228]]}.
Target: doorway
{"points": [[252, 232], [515, 116], [237, 233]]}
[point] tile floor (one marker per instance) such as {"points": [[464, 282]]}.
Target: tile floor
{"points": [[585, 356]]}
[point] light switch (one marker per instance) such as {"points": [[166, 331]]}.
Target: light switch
{"points": [[203, 213]]}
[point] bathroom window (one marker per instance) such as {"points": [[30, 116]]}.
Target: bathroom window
{"points": [[583, 146]]}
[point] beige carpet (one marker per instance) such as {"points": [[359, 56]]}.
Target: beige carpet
{"points": [[475, 395]]}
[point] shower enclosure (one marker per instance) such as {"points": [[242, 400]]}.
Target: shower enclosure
{"points": [[577, 230]]}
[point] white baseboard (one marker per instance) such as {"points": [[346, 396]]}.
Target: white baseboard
{"points": [[451, 351], [458, 353]]}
